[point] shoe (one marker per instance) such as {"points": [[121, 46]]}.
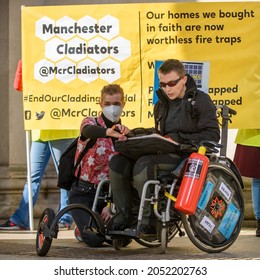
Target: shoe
{"points": [[9, 226], [147, 230], [257, 233], [63, 226]]}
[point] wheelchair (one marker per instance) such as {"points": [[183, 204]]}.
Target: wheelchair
{"points": [[213, 227]]}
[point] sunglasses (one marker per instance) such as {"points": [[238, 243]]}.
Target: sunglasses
{"points": [[170, 83]]}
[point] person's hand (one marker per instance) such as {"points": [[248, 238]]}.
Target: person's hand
{"points": [[118, 131], [106, 214]]}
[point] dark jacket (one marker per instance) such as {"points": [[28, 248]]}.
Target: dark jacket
{"points": [[197, 119]]}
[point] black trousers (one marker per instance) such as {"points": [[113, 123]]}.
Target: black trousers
{"points": [[84, 193]]}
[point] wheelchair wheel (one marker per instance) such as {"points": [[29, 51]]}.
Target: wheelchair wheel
{"points": [[217, 222], [149, 241], [43, 243]]}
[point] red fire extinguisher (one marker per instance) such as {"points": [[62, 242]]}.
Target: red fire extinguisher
{"points": [[192, 182]]}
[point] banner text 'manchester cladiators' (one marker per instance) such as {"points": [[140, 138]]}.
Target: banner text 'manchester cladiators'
{"points": [[75, 29]]}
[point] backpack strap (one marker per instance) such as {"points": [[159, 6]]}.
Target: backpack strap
{"points": [[89, 145]]}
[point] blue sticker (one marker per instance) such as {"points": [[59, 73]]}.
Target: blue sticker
{"points": [[204, 198], [229, 221], [156, 86]]}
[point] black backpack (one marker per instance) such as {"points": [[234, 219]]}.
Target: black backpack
{"points": [[66, 166]]}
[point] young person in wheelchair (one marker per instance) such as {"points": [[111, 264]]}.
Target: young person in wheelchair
{"points": [[93, 168], [183, 113]]}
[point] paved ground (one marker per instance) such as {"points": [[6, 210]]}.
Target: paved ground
{"points": [[18, 245]]}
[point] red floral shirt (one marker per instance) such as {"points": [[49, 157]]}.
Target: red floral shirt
{"points": [[94, 165]]}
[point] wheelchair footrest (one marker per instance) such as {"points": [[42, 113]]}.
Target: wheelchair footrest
{"points": [[130, 232]]}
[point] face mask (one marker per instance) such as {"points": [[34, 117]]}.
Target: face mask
{"points": [[112, 112]]}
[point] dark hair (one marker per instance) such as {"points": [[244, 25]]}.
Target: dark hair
{"points": [[170, 65], [112, 89]]}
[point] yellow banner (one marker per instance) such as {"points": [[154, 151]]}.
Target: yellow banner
{"points": [[70, 52]]}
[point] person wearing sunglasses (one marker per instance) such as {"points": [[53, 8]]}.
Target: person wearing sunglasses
{"points": [[183, 113]]}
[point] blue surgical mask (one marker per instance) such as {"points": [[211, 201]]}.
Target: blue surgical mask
{"points": [[112, 112]]}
